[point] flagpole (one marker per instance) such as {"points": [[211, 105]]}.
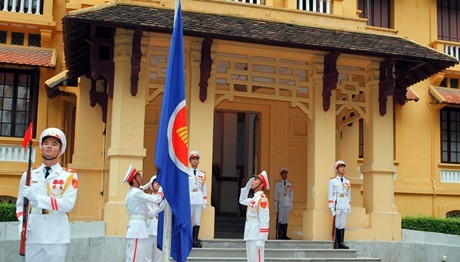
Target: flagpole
{"points": [[166, 254]]}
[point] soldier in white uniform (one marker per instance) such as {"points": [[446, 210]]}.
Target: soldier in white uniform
{"points": [[257, 217], [284, 196], [136, 204], [152, 222], [52, 193], [339, 199], [198, 195]]}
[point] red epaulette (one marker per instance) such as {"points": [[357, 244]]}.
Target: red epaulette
{"points": [[69, 170]]}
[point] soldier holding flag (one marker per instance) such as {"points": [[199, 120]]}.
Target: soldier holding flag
{"points": [[137, 201], [52, 193]]}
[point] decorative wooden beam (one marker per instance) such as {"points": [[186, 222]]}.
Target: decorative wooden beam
{"points": [[205, 67], [101, 56], [136, 56], [330, 77], [386, 84], [101, 66], [401, 86], [100, 98]]}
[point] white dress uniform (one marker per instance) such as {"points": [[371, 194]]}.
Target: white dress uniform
{"points": [[339, 198], [198, 195], [284, 196], [48, 225], [152, 229], [136, 233], [257, 221]]}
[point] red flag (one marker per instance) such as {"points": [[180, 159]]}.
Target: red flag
{"points": [[27, 136]]}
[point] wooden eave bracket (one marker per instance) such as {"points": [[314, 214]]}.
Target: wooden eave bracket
{"points": [[101, 70], [100, 98], [386, 84], [205, 67], [136, 56], [330, 77]]}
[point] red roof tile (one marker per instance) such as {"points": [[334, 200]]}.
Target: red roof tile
{"points": [[411, 95], [20, 55], [447, 95]]}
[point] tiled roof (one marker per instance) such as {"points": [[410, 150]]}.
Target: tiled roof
{"points": [[20, 55], [409, 55], [446, 95], [411, 95]]}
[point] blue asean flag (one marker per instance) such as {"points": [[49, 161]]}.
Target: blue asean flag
{"points": [[172, 148]]}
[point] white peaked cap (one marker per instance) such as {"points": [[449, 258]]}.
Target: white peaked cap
{"points": [[264, 178], [193, 153], [130, 173], [284, 169], [150, 183], [337, 164]]}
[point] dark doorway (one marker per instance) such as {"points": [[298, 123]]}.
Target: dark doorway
{"points": [[235, 159]]}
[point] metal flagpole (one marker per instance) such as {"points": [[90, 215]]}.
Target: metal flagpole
{"points": [[166, 254]]}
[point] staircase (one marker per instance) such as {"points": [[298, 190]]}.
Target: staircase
{"points": [[234, 250], [229, 227]]}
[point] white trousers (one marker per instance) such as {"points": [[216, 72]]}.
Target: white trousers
{"points": [[152, 249], [196, 214], [254, 254], [283, 215], [136, 249], [341, 218], [46, 252]]}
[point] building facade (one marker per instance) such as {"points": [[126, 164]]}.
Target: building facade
{"points": [[279, 83]]}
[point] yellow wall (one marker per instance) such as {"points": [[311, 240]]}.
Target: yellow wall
{"points": [[285, 129]]}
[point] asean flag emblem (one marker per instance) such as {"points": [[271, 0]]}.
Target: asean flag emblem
{"points": [[178, 137]]}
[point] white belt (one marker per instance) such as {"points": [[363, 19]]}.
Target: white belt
{"points": [[137, 217], [41, 211]]}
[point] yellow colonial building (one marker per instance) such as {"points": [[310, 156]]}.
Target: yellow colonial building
{"points": [[294, 83]]}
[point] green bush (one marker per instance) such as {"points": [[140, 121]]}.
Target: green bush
{"points": [[429, 224], [7, 212]]}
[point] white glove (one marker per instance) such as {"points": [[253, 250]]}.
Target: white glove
{"points": [[260, 244], [143, 188], [30, 194], [249, 183], [332, 211], [20, 225], [20, 228], [204, 206]]}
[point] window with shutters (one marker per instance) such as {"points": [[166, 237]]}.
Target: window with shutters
{"points": [[450, 135], [377, 12], [18, 97], [448, 20]]}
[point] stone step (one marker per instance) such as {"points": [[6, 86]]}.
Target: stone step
{"points": [[269, 244], [274, 253], [229, 235], [209, 259]]}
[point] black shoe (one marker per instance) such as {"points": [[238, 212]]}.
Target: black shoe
{"points": [[337, 238], [196, 244], [342, 236]]}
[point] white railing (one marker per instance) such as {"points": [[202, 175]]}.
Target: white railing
{"points": [[22, 6], [318, 6], [450, 176], [15, 154], [256, 2], [452, 51]]}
